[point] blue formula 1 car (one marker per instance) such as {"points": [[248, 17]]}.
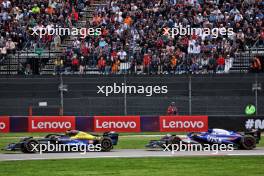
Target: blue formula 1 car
{"points": [[245, 140], [65, 143]]}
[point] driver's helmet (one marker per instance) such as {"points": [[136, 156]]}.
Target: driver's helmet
{"points": [[168, 135], [220, 131], [71, 132], [210, 130]]}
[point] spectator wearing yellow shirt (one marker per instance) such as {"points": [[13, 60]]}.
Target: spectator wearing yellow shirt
{"points": [[173, 64], [35, 9], [115, 66]]}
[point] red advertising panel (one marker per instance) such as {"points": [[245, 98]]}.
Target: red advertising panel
{"points": [[4, 124], [117, 123], [183, 123], [50, 123]]}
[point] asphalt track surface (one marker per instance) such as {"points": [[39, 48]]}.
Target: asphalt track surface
{"points": [[127, 153]]}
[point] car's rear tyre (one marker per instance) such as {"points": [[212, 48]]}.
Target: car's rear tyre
{"points": [[248, 142], [30, 146], [106, 144]]}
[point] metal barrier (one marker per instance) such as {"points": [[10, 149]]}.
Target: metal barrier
{"points": [[145, 95]]}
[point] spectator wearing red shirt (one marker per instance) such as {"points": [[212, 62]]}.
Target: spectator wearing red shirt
{"points": [[101, 64], [84, 49], [220, 63], [184, 42], [114, 55], [74, 16], [172, 109], [75, 64], [261, 38], [146, 63], [256, 65]]}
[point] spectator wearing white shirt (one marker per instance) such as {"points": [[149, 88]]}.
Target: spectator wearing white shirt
{"points": [[76, 44], [10, 46], [6, 4], [228, 63], [122, 55]]}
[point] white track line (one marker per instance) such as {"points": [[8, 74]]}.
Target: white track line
{"points": [[245, 154]]}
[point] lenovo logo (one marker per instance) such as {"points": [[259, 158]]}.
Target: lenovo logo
{"points": [[183, 123], [51, 123], [117, 123]]}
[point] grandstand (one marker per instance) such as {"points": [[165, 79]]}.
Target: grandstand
{"points": [[140, 39]]}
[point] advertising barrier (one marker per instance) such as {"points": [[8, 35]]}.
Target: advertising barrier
{"points": [[129, 123]]}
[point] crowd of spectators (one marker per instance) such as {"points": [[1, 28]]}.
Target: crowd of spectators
{"points": [[18, 18], [133, 39], [132, 36]]}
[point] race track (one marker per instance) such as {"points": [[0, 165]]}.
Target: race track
{"points": [[125, 153]]}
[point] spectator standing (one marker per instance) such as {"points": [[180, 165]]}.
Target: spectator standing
{"points": [[76, 46], [75, 63], [220, 64], [10, 46], [101, 64], [147, 62], [172, 109]]}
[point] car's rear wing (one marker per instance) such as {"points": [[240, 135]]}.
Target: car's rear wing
{"points": [[113, 136]]}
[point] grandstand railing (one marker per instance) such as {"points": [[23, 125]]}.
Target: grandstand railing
{"points": [[44, 62], [15, 63]]}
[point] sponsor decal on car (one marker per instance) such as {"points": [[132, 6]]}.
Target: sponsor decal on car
{"points": [[183, 123], [50, 123], [117, 123], [4, 124]]}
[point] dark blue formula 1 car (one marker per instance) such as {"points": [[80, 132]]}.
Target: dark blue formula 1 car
{"points": [[245, 140], [65, 143]]}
